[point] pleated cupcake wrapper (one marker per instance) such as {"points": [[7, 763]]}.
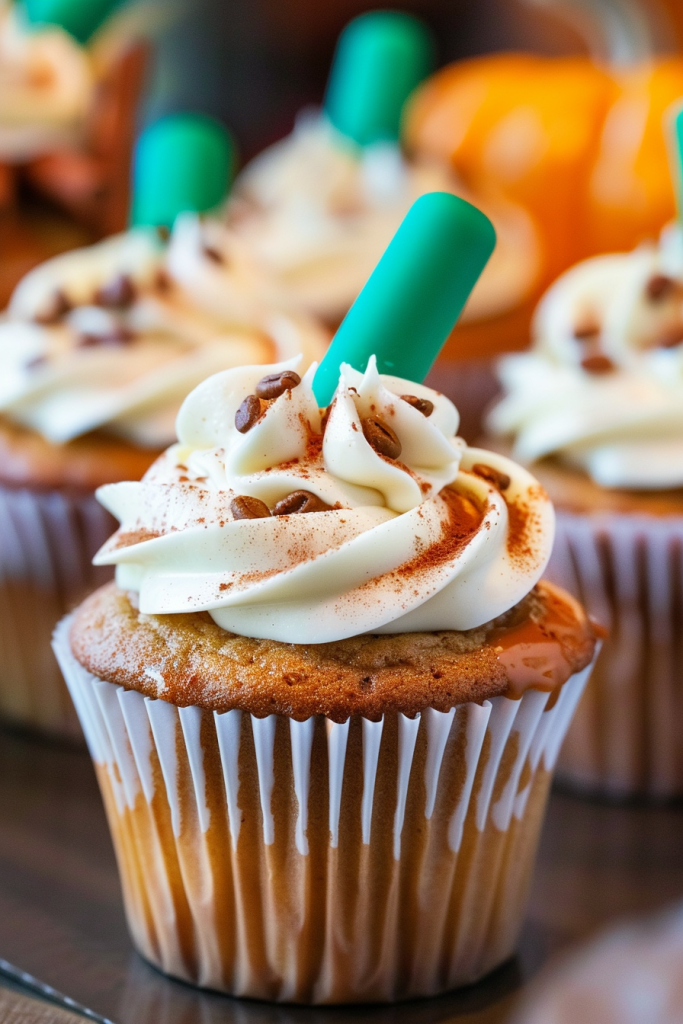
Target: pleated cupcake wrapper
{"points": [[627, 570], [47, 541], [317, 861]]}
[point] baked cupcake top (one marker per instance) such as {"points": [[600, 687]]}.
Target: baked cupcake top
{"points": [[112, 337], [307, 526], [189, 660], [602, 387], [46, 85], [318, 211]]}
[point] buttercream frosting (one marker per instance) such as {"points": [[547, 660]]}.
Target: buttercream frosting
{"points": [[409, 529], [602, 386], [46, 85], [318, 211], [115, 335]]}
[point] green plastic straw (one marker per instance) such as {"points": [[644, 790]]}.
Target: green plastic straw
{"points": [[415, 294], [182, 162], [380, 58]]}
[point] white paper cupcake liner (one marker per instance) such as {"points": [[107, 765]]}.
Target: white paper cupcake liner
{"points": [[321, 862], [627, 570], [48, 539]]}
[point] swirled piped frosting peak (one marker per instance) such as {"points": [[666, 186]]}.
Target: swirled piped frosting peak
{"points": [[292, 523], [602, 386], [114, 336]]}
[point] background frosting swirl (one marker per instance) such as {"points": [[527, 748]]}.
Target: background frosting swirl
{"points": [[318, 212], [115, 335], [46, 87], [602, 387], [442, 537]]}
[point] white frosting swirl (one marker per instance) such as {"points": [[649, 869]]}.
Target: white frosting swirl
{"points": [[46, 86], [319, 212], [197, 307], [421, 542], [602, 387]]}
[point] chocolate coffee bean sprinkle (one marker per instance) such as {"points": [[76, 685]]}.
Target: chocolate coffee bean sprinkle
{"points": [[54, 309], [381, 437], [163, 281], [587, 330], [494, 476], [597, 364], [34, 363], [248, 414], [659, 287], [245, 507], [117, 336], [275, 384], [117, 294], [214, 255], [422, 405], [300, 501], [672, 339]]}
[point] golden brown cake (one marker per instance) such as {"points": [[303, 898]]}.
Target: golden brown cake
{"points": [[201, 664]]}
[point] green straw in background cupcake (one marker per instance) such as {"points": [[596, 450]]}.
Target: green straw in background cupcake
{"points": [[80, 18], [381, 57], [183, 163]]}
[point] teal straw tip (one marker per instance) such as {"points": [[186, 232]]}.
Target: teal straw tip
{"points": [[182, 162], [81, 18], [380, 58], [415, 294]]}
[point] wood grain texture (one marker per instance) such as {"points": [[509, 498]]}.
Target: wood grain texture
{"points": [[61, 916]]}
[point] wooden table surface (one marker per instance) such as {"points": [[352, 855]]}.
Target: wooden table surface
{"points": [[61, 917]]}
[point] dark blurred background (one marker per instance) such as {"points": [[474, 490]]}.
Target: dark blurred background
{"points": [[254, 63]]}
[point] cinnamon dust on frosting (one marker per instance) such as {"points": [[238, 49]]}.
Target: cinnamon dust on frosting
{"points": [[309, 526]]}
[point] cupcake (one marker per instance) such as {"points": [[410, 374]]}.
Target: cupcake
{"points": [[70, 79], [46, 87], [630, 973], [98, 349], [595, 406], [325, 695], [319, 208]]}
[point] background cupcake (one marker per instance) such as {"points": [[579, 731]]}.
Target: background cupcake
{"points": [[98, 349], [319, 208], [71, 77], [596, 407], [351, 751]]}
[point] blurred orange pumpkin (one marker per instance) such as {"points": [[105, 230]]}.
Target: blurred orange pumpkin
{"points": [[581, 147]]}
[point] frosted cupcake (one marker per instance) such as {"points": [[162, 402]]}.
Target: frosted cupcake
{"points": [[319, 208], [325, 695], [595, 406], [97, 351], [46, 87]]}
